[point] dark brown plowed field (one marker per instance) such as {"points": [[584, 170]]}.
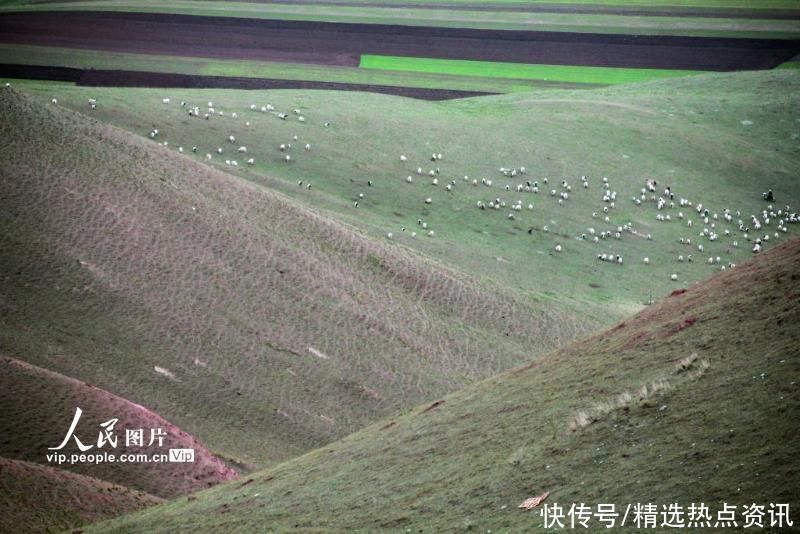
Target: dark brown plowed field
{"points": [[129, 78], [342, 44]]}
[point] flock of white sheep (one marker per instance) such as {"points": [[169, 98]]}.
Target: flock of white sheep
{"points": [[712, 225]]}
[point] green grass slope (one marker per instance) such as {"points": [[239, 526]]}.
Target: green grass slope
{"points": [[39, 405], [258, 325], [719, 140], [693, 400], [38, 498]]}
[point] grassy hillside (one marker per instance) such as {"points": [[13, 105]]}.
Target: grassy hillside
{"points": [[692, 400], [256, 324], [39, 405], [39, 498], [718, 140]]}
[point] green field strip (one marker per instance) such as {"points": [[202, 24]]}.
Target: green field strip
{"points": [[559, 73], [78, 58], [530, 21]]}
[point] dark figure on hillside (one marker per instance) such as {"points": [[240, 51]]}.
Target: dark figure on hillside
{"points": [[768, 196]]}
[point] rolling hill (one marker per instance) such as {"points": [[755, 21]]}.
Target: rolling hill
{"points": [[273, 309], [39, 405], [258, 325], [46, 499], [736, 134], [694, 399]]}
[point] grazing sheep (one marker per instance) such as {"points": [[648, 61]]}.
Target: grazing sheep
{"points": [[251, 161], [231, 139], [673, 277], [558, 248], [646, 260], [243, 150], [428, 200]]}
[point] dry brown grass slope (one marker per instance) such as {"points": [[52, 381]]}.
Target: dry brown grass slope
{"points": [[38, 498], [720, 431], [281, 330], [39, 405]]}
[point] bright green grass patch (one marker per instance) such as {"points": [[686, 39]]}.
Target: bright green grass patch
{"points": [[789, 65], [492, 69]]}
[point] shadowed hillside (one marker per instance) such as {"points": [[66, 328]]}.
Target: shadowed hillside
{"points": [[39, 405], [46, 499], [253, 323], [693, 400]]}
